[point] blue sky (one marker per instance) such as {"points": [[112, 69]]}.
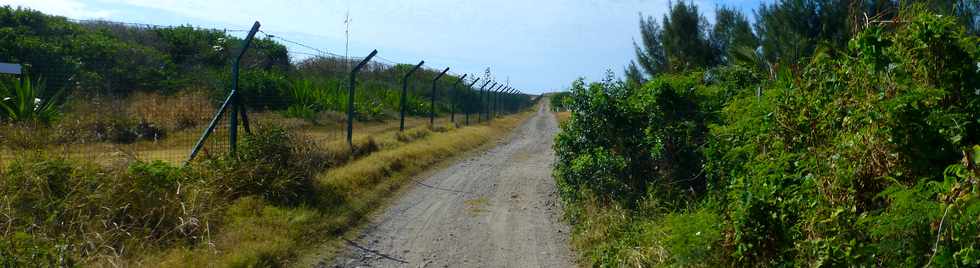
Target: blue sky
{"points": [[539, 45]]}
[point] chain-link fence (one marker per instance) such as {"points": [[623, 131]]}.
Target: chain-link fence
{"points": [[119, 92]]}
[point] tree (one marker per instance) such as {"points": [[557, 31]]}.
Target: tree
{"points": [[792, 29], [676, 44], [731, 30], [685, 40], [651, 56], [634, 78]]}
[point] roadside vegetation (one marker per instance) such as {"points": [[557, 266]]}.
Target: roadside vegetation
{"points": [[74, 191], [854, 143], [559, 105], [281, 195]]}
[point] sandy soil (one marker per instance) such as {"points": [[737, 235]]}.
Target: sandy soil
{"points": [[495, 209]]}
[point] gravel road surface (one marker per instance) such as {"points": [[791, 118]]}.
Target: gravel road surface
{"points": [[497, 208]]}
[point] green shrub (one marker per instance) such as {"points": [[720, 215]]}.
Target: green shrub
{"points": [[857, 157], [602, 146], [269, 164], [691, 239]]}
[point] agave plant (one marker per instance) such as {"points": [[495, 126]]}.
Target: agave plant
{"points": [[20, 101]]}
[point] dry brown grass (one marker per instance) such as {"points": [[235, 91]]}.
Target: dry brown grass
{"points": [[184, 110], [563, 116], [74, 137]]}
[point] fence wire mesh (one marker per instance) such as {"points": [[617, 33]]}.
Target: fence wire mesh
{"points": [[148, 92]]}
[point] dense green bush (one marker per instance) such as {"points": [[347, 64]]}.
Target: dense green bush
{"points": [[863, 156], [111, 58], [625, 143]]}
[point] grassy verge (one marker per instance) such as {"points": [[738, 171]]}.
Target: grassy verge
{"points": [[176, 145], [287, 191], [260, 233]]}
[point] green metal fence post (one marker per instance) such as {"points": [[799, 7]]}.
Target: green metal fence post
{"points": [[432, 100], [452, 100], [401, 125], [490, 100], [231, 100], [513, 101], [479, 115], [468, 108], [236, 101], [485, 109], [350, 97]]}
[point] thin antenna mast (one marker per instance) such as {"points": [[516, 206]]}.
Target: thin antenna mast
{"points": [[347, 22]]}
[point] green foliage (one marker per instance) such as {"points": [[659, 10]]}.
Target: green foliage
{"points": [[263, 89], [651, 56], [790, 30], [685, 44], [679, 43], [558, 101], [730, 31], [63, 212], [20, 101], [115, 60], [301, 111], [864, 156], [602, 149], [268, 164], [691, 239], [110, 58]]}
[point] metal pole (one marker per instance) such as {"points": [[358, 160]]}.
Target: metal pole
{"points": [[479, 117], [490, 99], [485, 109], [236, 101], [506, 102], [452, 99], [209, 130], [401, 126], [350, 97], [513, 100], [493, 102], [432, 101], [496, 101], [465, 110], [230, 100]]}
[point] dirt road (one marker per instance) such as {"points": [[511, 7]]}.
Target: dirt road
{"points": [[494, 209]]}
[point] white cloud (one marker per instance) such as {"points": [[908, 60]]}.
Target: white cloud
{"points": [[69, 8]]}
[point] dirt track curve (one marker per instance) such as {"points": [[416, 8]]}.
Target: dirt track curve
{"points": [[494, 209]]}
